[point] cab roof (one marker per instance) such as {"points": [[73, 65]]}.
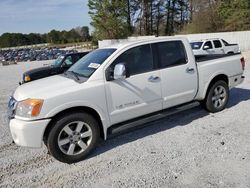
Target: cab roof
{"points": [[203, 40], [125, 44]]}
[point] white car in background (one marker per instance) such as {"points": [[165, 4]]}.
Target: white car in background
{"points": [[214, 46]]}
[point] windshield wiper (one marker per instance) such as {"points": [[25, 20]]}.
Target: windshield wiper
{"points": [[74, 74]]}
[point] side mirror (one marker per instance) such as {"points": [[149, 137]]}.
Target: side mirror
{"points": [[120, 71], [206, 47]]}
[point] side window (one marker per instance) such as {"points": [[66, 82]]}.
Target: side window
{"points": [[171, 53], [138, 60], [217, 44], [68, 61], [209, 44]]}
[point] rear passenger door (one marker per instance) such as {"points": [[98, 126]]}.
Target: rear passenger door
{"points": [[178, 73], [218, 47]]}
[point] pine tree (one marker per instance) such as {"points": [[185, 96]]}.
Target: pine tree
{"points": [[109, 18], [235, 14]]}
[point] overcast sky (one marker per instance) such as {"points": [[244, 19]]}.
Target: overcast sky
{"points": [[41, 16]]}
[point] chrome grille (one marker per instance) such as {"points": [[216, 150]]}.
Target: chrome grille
{"points": [[11, 107]]}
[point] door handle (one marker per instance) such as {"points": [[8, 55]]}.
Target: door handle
{"points": [[190, 70], [153, 78]]}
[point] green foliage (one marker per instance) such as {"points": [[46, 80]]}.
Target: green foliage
{"points": [[18, 39], [167, 17], [109, 18], [79, 34], [220, 15], [235, 14], [114, 19], [84, 32]]}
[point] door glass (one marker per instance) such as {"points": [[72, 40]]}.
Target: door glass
{"points": [[138, 60], [217, 44], [68, 61], [209, 44], [171, 53]]}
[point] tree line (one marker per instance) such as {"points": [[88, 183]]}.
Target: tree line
{"points": [[113, 19], [79, 34]]}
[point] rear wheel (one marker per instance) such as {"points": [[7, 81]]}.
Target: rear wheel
{"points": [[217, 97], [73, 137]]}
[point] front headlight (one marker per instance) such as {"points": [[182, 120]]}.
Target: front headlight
{"points": [[29, 108]]}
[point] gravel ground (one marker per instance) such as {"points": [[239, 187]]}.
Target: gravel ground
{"points": [[189, 149]]}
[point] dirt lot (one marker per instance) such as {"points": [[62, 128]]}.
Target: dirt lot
{"points": [[189, 149]]}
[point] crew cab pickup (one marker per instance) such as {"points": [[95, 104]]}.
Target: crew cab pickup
{"points": [[115, 88], [214, 46], [60, 65]]}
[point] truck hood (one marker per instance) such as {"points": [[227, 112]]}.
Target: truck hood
{"points": [[40, 69], [43, 88], [42, 72]]}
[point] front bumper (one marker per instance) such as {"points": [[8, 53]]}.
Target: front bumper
{"points": [[28, 133]]}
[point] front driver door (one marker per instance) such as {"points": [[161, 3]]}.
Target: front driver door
{"points": [[139, 94], [210, 49]]}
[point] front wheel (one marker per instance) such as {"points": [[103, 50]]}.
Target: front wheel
{"points": [[217, 97], [73, 137]]}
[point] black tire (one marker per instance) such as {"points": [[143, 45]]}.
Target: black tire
{"points": [[64, 122], [215, 103]]}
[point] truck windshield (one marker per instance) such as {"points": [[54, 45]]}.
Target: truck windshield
{"points": [[87, 65], [57, 62], [196, 45]]}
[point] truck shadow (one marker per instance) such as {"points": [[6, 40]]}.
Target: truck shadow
{"points": [[238, 95], [183, 118]]}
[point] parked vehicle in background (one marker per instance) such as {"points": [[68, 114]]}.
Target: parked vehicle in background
{"points": [[32, 54], [115, 88], [60, 65], [214, 46]]}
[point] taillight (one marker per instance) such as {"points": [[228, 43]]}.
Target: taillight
{"points": [[243, 63]]}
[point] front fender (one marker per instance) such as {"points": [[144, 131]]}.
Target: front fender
{"points": [[104, 117]]}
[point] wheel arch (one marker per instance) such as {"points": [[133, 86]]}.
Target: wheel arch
{"points": [[85, 109], [218, 77]]}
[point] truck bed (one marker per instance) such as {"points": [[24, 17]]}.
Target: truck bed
{"points": [[201, 58], [212, 65]]}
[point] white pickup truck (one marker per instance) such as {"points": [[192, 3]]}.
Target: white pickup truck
{"points": [[115, 88], [214, 46]]}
